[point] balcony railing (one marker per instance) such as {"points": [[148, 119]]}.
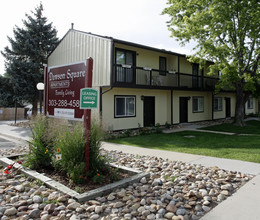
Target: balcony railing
{"points": [[147, 77]]}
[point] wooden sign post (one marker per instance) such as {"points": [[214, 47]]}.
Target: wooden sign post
{"points": [[87, 113]]}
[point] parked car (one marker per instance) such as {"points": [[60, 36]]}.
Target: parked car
{"points": [[29, 112]]}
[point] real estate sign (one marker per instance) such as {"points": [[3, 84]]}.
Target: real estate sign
{"points": [[63, 90]]}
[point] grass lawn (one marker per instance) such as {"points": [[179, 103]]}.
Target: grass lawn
{"points": [[245, 148], [252, 127]]}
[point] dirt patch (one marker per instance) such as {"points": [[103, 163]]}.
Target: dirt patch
{"points": [[90, 184]]}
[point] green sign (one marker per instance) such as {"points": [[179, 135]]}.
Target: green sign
{"points": [[88, 98]]}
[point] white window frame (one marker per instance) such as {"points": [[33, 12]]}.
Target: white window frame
{"points": [[200, 104], [127, 113], [250, 103], [219, 106]]}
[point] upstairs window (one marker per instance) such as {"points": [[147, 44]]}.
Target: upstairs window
{"points": [[218, 104], [198, 104], [124, 106], [162, 66], [127, 58]]}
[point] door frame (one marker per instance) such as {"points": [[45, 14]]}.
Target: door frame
{"points": [[186, 99], [227, 107], [150, 97]]}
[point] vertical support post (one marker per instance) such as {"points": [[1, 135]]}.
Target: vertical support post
{"points": [[45, 92], [179, 71], [212, 106], [87, 114], [15, 113], [171, 106], [151, 80], [40, 94]]}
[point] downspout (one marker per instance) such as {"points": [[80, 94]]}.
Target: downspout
{"points": [[212, 106], [178, 71], [171, 106]]}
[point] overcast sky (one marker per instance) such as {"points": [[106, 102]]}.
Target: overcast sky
{"points": [[138, 21]]}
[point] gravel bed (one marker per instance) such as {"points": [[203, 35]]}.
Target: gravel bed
{"points": [[175, 190]]}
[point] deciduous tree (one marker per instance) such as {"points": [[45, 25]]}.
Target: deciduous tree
{"points": [[227, 33]]}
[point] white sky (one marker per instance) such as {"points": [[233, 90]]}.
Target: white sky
{"points": [[137, 21]]}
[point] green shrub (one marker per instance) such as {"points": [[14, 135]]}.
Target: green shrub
{"points": [[98, 163], [144, 131], [158, 128], [54, 138], [167, 125], [41, 145], [70, 144]]}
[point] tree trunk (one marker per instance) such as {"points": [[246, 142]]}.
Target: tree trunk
{"points": [[241, 99]]}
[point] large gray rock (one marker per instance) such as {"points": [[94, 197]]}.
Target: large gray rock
{"points": [[10, 211]]}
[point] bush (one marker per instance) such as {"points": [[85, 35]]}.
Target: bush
{"points": [[158, 128], [70, 144], [56, 143], [41, 145], [167, 125]]}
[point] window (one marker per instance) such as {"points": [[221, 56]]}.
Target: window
{"points": [[124, 106], [218, 104], [125, 57], [162, 66], [198, 104], [197, 74], [250, 103]]}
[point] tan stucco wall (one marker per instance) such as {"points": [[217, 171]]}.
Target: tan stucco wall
{"points": [[254, 110], [148, 58], [222, 114], [201, 116], [162, 108]]}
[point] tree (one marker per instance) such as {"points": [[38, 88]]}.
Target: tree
{"points": [[7, 94], [28, 53], [227, 33]]}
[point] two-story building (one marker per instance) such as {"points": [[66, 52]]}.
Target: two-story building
{"points": [[143, 86]]}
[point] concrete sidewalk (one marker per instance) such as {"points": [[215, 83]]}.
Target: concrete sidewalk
{"points": [[244, 204]]}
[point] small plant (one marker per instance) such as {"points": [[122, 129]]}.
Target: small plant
{"points": [[114, 176], [39, 182], [170, 178], [167, 125], [126, 133], [144, 131], [158, 128], [41, 145], [79, 190], [55, 201], [98, 178], [70, 145]]}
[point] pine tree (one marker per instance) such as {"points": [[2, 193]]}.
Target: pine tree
{"points": [[24, 61]]}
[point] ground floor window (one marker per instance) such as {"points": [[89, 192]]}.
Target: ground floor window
{"points": [[125, 106], [198, 104], [218, 104], [250, 103]]}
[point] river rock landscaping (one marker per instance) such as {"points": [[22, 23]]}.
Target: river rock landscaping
{"points": [[175, 190]]}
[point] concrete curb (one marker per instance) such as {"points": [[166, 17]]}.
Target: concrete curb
{"points": [[84, 196]]}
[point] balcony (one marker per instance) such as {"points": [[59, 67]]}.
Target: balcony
{"points": [[142, 77]]}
